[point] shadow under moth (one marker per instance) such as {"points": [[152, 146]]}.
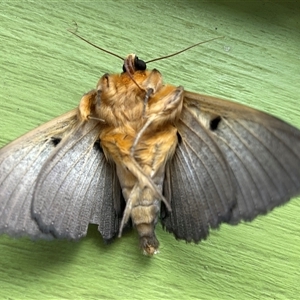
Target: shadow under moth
{"points": [[141, 150]]}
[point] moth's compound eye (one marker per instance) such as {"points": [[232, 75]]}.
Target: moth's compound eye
{"points": [[139, 64]]}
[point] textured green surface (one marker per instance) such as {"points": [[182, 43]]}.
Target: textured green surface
{"points": [[44, 72]]}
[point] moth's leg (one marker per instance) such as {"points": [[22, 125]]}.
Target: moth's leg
{"points": [[131, 200], [144, 179], [146, 99], [151, 85], [153, 81], [164, 106], [87, 105]]}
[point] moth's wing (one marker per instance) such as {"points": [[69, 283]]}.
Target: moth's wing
{"points": [[55, 180], [262, 155], [20, 163], [198, 183], [108, 205], [77, 186]]}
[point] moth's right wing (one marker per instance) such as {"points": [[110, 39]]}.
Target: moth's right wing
{"points": [[232, 163], [55, 180]]}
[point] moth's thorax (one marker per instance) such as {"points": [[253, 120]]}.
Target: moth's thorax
{"points": [[123, 108], [122, 99]]}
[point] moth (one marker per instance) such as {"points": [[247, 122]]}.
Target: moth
{"points": [[139, 150]]}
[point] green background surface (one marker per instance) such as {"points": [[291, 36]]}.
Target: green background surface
{"points": [[44, 72]]}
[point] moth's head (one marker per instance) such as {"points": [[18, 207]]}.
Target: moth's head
{"points": [[132, 64], [134, 79]]}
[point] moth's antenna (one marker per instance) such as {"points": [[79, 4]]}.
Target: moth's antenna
{"points": [[120, 57], [178, 52], [102, 49], [106, 51]]}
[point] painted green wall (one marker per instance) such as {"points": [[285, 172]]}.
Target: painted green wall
{"points": [[44, 72]]}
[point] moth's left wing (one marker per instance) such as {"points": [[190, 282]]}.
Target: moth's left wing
{"points": [[77, 186], [262, 155], [55, 180]]}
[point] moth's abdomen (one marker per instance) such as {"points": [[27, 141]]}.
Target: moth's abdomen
{"points": [[143, 204], [144, 216]]}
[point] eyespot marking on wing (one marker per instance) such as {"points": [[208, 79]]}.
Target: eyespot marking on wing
{"points": [[214, 123], [55, 141], [179, 138], [97, 146]]}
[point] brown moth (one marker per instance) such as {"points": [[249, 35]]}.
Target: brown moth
{"points": [[139, 149]]}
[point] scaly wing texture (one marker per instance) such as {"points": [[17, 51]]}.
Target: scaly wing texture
{"points": [[198, 183], [75, 187], [262, 155], [28, 182], [20, 163]]}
